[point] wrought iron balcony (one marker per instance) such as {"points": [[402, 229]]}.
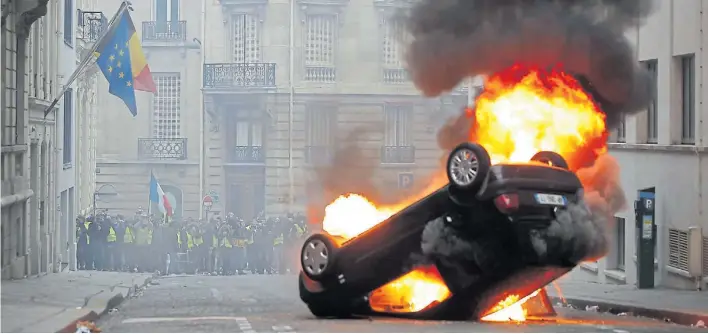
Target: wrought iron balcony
{"points": [[318, 155], [91, 25], [164, 31], [162, 148], [247, 154], [397, 154], [395, 76], [239, 75]]}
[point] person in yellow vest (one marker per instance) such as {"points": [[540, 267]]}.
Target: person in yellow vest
{"points": [[129, 246], [225, 249], [289, 252], [240, 241], [82, 243], [277, 250], [143, 240], [110, 259], [201, 252]]}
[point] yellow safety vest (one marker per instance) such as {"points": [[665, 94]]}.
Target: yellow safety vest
{"points": [[179, 238], [144, 236], [214, 241], [198, 240], [226, 243], [241, 243], [111, 235], [300, 230], [278, 240], [88, 239], [128, 237], [190, 241]]}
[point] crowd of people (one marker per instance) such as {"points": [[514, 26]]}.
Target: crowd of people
{"points": [[218, 246]]}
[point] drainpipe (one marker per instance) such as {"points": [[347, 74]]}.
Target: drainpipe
{"points": [[700, 129], [202, 139], [291, 105]]}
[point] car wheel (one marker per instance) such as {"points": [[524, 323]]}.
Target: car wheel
{"points": [[550, 158], [317, 256], [320, 302], [467, 166]]}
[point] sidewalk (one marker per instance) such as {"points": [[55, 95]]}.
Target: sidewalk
{"points": [[679, 306], [50, 303]]}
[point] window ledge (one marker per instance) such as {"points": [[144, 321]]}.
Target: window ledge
{"points": [[617, 275], [67, 165], [589, 266], [658, 147]]}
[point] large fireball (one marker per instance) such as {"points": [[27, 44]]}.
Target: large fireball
{"points": [[520, 112]]}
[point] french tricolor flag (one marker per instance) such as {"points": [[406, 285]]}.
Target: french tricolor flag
{"points": [[158, 196]]}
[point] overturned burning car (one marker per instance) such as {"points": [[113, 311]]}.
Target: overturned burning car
{"points": [[525, 197], [493, 207]]}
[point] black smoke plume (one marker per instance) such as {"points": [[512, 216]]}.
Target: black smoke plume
{"points": [[454, 39]]}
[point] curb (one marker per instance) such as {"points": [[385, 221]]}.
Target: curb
{"points": [[116, 299], [677, 317]]}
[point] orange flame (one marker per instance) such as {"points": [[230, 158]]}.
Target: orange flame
{"points": [[412, 292], [520, 112], [509, 309], [523, 111]]}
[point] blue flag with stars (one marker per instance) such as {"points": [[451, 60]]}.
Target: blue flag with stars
{"points": [[114, 62]]}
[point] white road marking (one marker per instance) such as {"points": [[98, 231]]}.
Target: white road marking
{"points": [[282, 329], [148, 320], [620, 331], [216, 294], [245, 326]]}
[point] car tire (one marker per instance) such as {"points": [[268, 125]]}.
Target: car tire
{"points": [[550, 158], [317, 256], [467, 166], [320, 303]]}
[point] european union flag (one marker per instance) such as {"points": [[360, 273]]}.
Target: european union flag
{"points": [[114, 62]]}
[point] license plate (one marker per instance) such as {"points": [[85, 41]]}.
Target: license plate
{"points": [[550, 199]]}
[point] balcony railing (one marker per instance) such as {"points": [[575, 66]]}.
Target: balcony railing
{"points": [[318, 155], [397, 154], [91, 25], [395, 76], [247, 154], [162, 148], [165, 31], [239, 75]]}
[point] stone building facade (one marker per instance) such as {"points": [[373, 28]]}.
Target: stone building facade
{"points": [[39, 154], [348, 73]]}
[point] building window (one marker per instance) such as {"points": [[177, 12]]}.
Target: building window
{"points": [[678, 249], [166, 116], [321, 34], [392, 51], [68, 126], [652, 112], [620, 227], [69, 22], [398, 122], [248, 130], [246, 43], [321, 127], [321, 122], [166, 10], [688, 98]]}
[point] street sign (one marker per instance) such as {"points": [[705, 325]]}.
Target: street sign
{"points": [[207, 201], [214, 196], [405, 180]]}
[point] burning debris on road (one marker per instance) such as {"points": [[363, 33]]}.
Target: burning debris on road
{"points": [[559, 74]]}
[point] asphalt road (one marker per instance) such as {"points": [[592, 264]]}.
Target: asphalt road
{"points": [[270, 303]]}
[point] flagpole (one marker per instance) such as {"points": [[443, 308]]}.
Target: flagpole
{"points": [[149, 190], [125, 5]]}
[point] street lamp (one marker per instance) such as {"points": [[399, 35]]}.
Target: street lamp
{"points": [[99, 193]]}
